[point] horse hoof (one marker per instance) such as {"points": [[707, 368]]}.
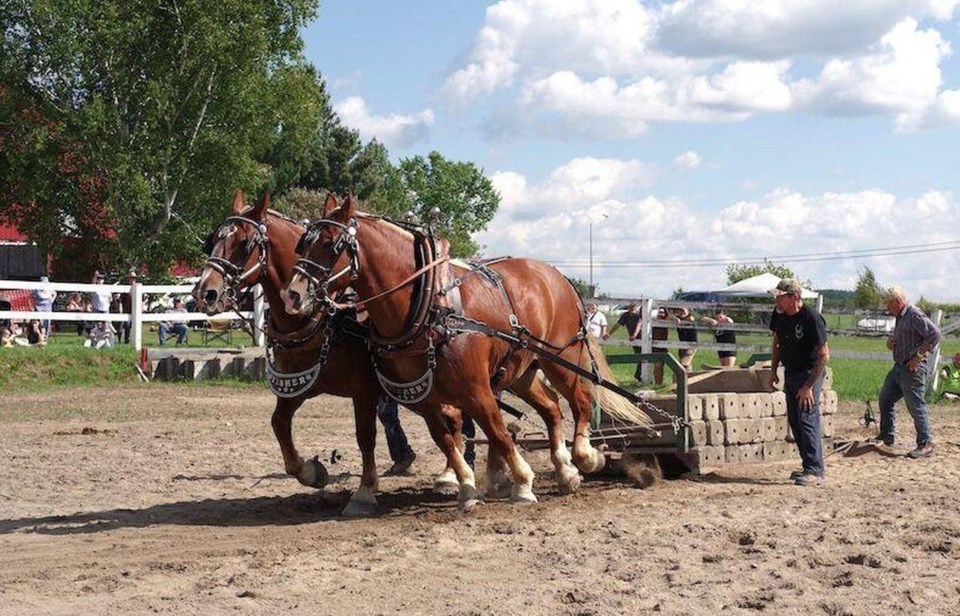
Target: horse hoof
{"points": [[313, 474], [525, 497], [469, 504], [359, 508], [446, 482], [569, 482]]}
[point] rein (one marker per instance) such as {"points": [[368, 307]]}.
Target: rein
{"points": [[362, 305]]}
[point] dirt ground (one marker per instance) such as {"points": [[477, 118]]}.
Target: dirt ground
{"points": [[172, 499]]}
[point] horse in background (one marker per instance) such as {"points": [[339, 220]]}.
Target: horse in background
{"points": [[255, 245], [399, 280]]}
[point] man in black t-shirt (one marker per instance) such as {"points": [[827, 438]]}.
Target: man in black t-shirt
{"points": [[800, 344]]}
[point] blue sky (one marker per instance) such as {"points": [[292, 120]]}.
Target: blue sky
{"points": [[708, 131]]}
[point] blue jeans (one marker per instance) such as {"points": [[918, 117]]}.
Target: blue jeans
{"points": [[805, 424], [911, 386], [388, 412], [469, 431], [177, 329]]}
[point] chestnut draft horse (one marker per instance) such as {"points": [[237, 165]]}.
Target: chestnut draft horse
{"points": [[311, 354], [397, 275], [256, 245]]}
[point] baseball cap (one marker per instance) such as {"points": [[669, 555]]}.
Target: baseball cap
{"points": [[787, 286]]}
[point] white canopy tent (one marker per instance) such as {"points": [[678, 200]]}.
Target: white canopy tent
{"points": [[758, 286]]}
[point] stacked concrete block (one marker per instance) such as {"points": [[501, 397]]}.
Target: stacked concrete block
{"points": [[743, 426]]}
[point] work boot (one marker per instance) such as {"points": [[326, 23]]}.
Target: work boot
{"points": [[401, 467], [808, 480], [796, 475], [922, 451]]}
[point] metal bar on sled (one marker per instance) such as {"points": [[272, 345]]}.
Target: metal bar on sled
{"points": [[680, 375]]}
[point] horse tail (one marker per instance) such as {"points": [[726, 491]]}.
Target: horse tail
{"points": [[611, 403]]}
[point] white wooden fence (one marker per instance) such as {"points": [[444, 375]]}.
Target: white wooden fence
{"points": [[650, 307], [137, 317]]}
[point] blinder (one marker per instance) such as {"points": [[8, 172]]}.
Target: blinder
{"points": [[319, 276], [233, 274]]}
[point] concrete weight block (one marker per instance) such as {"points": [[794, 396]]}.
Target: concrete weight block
{"points": [[752, 453], [733, 431], [764, 404], [711, 456], [768, 429], [778, 402], [695, 408], [729, 406], [826, 426], [715, 433], [697, 431], [782, 428], [733, 454], [711, 407]]}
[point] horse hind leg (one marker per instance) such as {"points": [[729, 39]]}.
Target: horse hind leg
{"points": [[310, 473], [585, 456], [532, 390], [487, 415]]}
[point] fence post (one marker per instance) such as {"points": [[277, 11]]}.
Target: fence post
{"points": [[646, 340], [136, 312], [258, 317], [936, 317]]}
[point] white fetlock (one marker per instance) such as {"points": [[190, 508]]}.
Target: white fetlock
{"points": [[313, 474], [446, 482], [469, 497], [568, 479], [592, 462], [362, 503], [522, 495]]}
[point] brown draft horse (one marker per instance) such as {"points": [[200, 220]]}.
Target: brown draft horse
{"points": [[378, 256], [256, 245]]}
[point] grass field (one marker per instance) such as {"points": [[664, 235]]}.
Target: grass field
{"points": [[66, 363], [853, 379]]}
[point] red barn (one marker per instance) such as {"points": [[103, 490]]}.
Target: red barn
{"points": [[19, 260]]}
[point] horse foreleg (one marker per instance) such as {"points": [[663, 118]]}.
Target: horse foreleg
{"points": [[447, 439], [310, 472], [545, 401], [364, 500]]}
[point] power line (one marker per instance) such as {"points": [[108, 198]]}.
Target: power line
{"points": [[931, 247]]}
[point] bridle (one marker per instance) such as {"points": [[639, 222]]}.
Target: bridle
{"points": [[234, 276], [320, 276]]}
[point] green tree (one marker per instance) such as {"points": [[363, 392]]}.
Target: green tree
{"points": [[465, 198], [736, 273], [171, 103], [581, 286], [867, 293]]}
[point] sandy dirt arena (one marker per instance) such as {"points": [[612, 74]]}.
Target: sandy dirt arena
{"points": [[172, 499]]}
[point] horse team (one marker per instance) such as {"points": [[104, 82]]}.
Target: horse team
{"points": [[431, 338]]}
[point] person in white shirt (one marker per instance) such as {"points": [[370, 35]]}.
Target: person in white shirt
{"points": [[102, 335], [100, 300], [596, 322]]}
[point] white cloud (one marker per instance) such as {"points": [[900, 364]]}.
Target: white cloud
{"points": [[394, 130], [549, 220], [784, 28], [597, 37], [687, 160], [608, 69], [902, 75]]}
